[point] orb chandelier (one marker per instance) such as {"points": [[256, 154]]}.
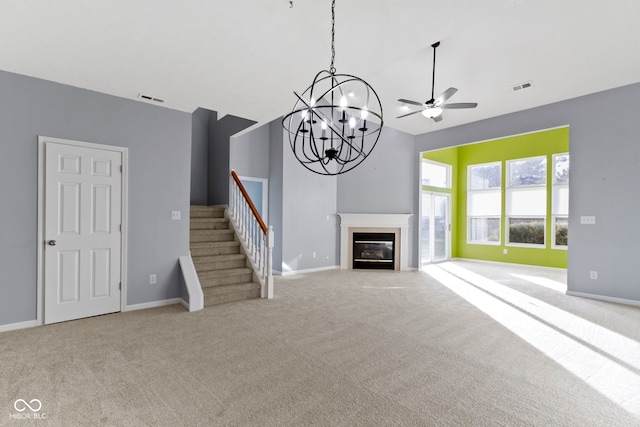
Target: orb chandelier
{"points": [[336, 122]]}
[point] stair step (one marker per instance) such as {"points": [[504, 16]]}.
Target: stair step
{"points": [[209, 224], [211, 236], [225, 277], [199, 249], [207, 211], [219, 262], [228, 289], [218, 258], [232, 296]]}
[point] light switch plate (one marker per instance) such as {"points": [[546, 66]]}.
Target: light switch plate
{"points": [[589, 220]]}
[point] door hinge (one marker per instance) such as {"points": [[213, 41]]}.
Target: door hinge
{"points": [[121, 228], [120, 286], [120, 168]]}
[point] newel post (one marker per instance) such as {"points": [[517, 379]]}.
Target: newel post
{"points": [[269, 278]]}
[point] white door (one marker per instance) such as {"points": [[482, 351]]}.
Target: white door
{"points": [[435, 227], [82, 221]]}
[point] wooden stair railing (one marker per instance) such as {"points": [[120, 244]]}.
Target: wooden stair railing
{"points": [[255, 236]]}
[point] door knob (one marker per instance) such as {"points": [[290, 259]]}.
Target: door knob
{"points": [[52, 242]]}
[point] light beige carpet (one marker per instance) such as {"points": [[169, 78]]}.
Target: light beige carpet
{"points": [[341, 348]]}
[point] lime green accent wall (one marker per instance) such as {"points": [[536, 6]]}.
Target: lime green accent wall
{"points": [[545, 143]]}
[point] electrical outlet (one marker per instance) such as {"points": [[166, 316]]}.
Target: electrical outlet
{"points": [[314, 254], [505, 251], [152, 279], [593, 275], [175, 215]]}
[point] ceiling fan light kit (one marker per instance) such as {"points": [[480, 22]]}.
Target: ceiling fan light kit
{"points": [[335, 122], [430, 113], [432, 109]]}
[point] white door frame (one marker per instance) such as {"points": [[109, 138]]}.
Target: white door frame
{"points": [[42, 141]]}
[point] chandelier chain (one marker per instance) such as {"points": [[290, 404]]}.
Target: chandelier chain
{"points": [[332, 70]]}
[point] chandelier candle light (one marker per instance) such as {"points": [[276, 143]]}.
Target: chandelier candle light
{"points": [[336, 122]]}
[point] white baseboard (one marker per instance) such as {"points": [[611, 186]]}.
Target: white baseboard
{"points": [[310, 270], [506, 264], [604, 298], [19, 325], [154, 304], [332, 267]]}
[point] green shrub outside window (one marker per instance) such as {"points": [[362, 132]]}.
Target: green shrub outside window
{"points": [[562, 231], [526, 231]]}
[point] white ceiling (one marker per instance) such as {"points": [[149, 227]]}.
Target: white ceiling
{"points": [[246, 58]]}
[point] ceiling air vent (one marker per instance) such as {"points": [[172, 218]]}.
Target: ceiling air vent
{"points": [[522, 86], [150, 98]]}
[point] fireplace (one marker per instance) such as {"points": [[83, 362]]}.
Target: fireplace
{"points": [[374, 250], [396, 225]]}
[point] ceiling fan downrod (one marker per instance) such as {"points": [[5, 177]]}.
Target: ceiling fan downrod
{"points": [[433, 75]]}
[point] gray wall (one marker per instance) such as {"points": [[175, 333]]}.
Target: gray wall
{"points": [[309, 224], [159, 142], [276, 154], [605, 157], [249, 153], [302, 205], [385, 182], [200, 156], [220, 132]]}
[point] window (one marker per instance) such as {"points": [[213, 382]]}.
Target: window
{"points": [[436, 174], [526, 201], [484, 203], [560, 201]]}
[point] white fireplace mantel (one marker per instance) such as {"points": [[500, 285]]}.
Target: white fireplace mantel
{"points": [[353, 220]]}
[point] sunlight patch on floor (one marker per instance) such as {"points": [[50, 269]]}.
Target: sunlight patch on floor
{"points": [[543, 281], [605, 360], [616, 345]]}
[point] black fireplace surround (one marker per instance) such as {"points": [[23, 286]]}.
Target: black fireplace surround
{"points": [[374, 251]]}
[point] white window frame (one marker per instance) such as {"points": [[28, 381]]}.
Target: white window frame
{"points": [[555, 216], [470, 192], [444, 165], [509, 191]]}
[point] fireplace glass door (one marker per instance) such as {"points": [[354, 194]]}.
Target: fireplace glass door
{"points": [[374, 251], [435, 227]]}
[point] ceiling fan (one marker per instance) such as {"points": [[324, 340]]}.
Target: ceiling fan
{"points": [[433, 108]]}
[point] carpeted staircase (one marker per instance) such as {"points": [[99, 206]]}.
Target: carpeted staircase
{"points": [[218, 258]]}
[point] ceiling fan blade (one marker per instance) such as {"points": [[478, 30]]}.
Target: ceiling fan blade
{"points": [[459, 105], [408, 101], [409, 114], [445, 95], [437, 118]]}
